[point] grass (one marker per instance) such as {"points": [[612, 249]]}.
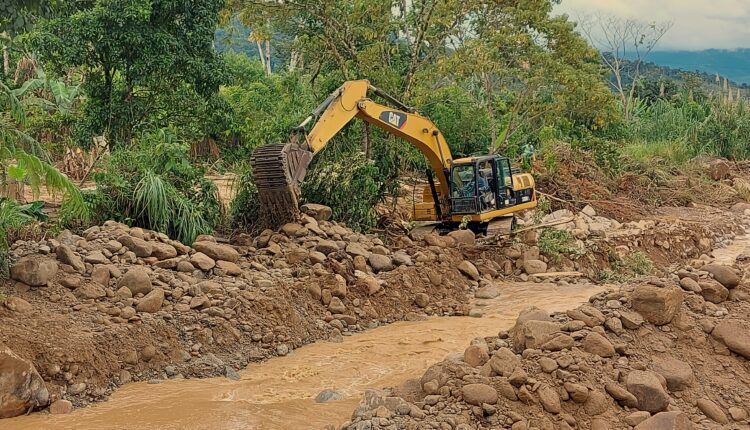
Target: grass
{"points": [[631, 266], [665, 152]]}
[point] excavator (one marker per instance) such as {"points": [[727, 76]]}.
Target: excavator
{"points": [[483, 192]]}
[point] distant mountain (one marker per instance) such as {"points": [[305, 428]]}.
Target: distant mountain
{"points": [[733, 64]]}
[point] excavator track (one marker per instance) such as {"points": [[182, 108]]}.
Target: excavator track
{"points": [[277, 192]]}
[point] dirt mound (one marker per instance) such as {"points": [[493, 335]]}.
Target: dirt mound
{"points": [[667, 354], [117, 304]]}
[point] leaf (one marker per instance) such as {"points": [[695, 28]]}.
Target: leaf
{"points": [[16, 173]]}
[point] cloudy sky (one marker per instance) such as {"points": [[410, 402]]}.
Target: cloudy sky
{"points": [[698, 24]]}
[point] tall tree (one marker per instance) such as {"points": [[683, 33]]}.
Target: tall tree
{"points": [[624, 45], [147, 63]]}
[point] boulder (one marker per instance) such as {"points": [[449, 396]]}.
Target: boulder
{"points": [[201, 261], [713, 411], [690, 284], [726, 275], [476, 355], [465, 237], [151, 302], [647, 388], [61, 407], [67, 256], [326, 247], [229, 268], [657, 305], [316, 211], [735, 334], [558, 343], [598, 344], [34, 270], [504, 362], [421, 299], [476, 394], [537, 333], [526, 315], [619, 393], [677, 373], [96, 257], [21, 387], [380, 263], [549, 399], [713, 291], [532, 267], [101, 275], [487, 292], [336, 306], [163, 251], [140, 247], [588, 314], [469, 270], [217, 251], [90, 290], [136, 280], [673, 420]]}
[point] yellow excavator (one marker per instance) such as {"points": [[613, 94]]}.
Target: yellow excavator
{"points": [[482, 192]]}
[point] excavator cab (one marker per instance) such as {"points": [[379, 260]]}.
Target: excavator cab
{"points": [[482, 184]]}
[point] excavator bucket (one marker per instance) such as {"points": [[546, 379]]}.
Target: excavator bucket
{"points": [[278, 171]]}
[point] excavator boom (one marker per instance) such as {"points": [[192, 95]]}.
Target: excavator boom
{"points": [[278, 170], [481, 188]]}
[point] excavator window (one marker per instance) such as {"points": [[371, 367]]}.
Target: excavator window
{"points": [[463, 181]]}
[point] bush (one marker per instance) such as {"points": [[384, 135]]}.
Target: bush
{"points": [[154, 185], [556, 243]]}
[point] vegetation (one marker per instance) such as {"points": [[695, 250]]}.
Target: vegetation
{"points": [[557, 243], [154, 184], [145, 96]]}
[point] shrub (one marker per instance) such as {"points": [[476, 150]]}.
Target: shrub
{"points": [[154, 185], [556, 243]]}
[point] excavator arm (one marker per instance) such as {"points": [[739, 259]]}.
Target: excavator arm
{"points": [[278, 170]]}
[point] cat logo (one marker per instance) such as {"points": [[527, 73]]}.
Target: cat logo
{"points": [[396, 119]]}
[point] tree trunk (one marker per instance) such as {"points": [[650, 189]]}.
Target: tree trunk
{"points": [[366, 141], [6, 61], [261, 56], [268, 57]]}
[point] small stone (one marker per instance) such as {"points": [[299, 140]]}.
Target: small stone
{"points": [[476, 394], [713, 411], [61, 407]]}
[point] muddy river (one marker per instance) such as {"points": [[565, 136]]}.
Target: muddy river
{"points": [[279, 393]]}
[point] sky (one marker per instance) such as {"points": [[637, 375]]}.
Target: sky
{"points": [[697, 24]]}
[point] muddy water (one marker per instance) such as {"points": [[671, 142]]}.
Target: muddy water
{"points": [[279, 394], [728, 254]]}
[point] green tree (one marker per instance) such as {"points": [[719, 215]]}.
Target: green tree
{"points": [[147, 63]]}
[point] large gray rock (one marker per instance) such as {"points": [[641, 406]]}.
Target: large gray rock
{"points": [[674, 420], [658, 306], [736, 336], [380, 263], [217, 251], [21, 387], [319, 212], [151, 302], [727, 276], [469, 269], [140, 247], [34, 270], [476, 394], [136, 280], [713, 291], [67, 256], [647, 388], [677, 373], [598, 344]]}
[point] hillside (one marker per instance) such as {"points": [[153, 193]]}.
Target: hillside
{"points": [[734, 64]]}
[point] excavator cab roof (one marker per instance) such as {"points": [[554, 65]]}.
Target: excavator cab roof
{"points": [[471, 160]]}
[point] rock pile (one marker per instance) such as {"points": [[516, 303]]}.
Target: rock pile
{"points": [[661, 354], [145, 307]]}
